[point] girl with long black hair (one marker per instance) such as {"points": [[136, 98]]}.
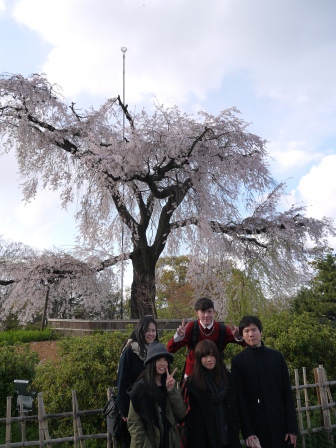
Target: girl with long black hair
{"points": [[131, 365], [156, 404], [212, 420]]}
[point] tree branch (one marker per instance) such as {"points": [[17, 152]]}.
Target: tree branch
{"points": [[6, 282], [112, 261]]}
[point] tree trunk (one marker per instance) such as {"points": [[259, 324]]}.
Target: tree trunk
{"points": [[143, 285], [44, 316]]}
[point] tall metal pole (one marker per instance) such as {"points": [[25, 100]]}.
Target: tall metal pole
{"points": [[123, 49]]}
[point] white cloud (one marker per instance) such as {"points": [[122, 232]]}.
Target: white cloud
{"points": [[317, 189], [175, 48], [292, 155], [41, 223]]}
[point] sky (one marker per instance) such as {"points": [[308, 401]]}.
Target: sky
{"points": [[275, 60]]}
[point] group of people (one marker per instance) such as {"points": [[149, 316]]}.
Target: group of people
{"points": [[213, 405]]}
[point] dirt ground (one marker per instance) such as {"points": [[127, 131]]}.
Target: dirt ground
{"points": [[46, 350]]}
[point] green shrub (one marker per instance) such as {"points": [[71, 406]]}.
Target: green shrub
{"points": [[87, 365], [16, 362], [303, 340]]}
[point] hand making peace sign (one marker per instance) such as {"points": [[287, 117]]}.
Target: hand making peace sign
{"points": [[235, 330], [170, 382], [182, 329]]}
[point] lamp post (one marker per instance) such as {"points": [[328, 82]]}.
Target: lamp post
{"points": [[123, 49]]}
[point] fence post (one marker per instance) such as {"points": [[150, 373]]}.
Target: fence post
{"points": [[23, 421], [324, 400], [44, 419], [77, 423], [74, 422], [109, 438], [41, 417], [305, 382], [298, 402], [8, 421], [329, 392]]}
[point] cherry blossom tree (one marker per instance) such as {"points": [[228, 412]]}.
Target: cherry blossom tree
{"points": [[50, 283], [166, 180]]}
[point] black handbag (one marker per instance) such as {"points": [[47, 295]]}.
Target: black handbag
{"points": [[113, 416]]}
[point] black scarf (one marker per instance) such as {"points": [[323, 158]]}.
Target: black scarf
{"points": [[162, 402], [217, 396]]}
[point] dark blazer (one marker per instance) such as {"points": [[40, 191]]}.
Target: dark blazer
{"points": [[130, 367], [201, 423], [266, 402]]}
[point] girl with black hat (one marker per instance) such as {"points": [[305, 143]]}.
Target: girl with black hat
{"points": [[156, 404]]}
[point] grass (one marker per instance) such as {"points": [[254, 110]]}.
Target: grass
{"points": [[14, 336], [318, 440]]}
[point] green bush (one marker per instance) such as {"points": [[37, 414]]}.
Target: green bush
{"points": [[87, 365], [303, 340], [16, 362]]}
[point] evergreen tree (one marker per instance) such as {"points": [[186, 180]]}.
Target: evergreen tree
{"points": [[320, 297]]}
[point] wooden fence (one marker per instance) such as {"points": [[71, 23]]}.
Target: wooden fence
{"points": [[322, 410], [325, 407], [78, 438], [81, 327]]}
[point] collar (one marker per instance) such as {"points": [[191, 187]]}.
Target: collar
{"points": [[208, 327], [261, 347]]}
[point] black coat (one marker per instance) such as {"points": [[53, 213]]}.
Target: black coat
{"points": [[266, 402], [130, 367], [202, 431]]}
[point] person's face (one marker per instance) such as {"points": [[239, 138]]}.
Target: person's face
{"points": [[252, 335], [150, 334], [207, 316], [161, 364], [208, 361]]}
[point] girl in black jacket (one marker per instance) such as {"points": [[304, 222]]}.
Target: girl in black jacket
{"points": [[212, 420], [131, 365]]}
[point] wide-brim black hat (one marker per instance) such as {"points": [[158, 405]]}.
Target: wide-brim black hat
{"points": [[157, 350]]}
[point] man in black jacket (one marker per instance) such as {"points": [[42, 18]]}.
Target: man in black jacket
{"points": [[266, 403]]}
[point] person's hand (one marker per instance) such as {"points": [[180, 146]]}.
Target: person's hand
{"points": [[125, 419], [170, 381], [182, 329], [253, 442], [235, 330], [292, 438]]}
